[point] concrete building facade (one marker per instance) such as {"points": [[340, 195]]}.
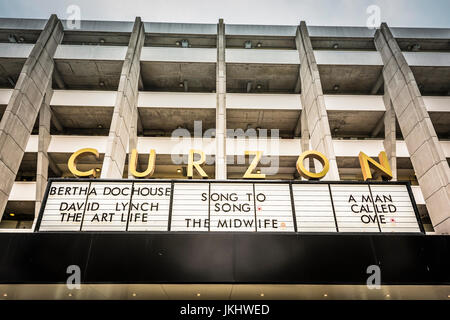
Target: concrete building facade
{"points": [[171, 87]]}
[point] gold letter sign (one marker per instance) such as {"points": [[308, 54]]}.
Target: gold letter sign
{"points": [[315, 155], [151, 164], [382, 169], [197, 164], [72, 164], [248, 174]]}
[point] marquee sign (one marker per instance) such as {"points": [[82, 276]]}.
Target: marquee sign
{"points": [[248, 206]]}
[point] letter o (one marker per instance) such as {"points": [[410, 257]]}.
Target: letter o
{"points": [[315, 155]]}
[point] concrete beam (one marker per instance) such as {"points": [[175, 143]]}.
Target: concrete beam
{"points": [[55, 121], [221, 117], [58, 79], [377, 84], [298, 85], [141, 82], [53, 166], [140, 128], [125, 106], [427, 156], [23, 107], [249, 86], [378, 127]]}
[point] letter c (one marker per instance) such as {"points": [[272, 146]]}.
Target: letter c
{"points": [[72, 164]]}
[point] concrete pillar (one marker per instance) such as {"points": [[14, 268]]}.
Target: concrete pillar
{"points": [[45, 115], [221, 114], [124, 107], [427, 156], [390, 141], [313, 101], [132, 144], [23, 107], [304, 140]]}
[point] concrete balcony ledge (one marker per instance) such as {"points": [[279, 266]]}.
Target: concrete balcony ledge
{"points": [[260, 56], [335, 57], [148, 99], [231, 29], [166, 54], [169, 145], [260, 30], [209, 55], [180, 28], [89, 52], [23, 191], [186, 100], [15, 50]]}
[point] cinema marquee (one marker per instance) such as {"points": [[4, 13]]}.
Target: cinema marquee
{"points": [[248, 206]]}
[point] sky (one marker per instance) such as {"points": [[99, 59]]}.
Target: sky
{"points": [[399, 13]]}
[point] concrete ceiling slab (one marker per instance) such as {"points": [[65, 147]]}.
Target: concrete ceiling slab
{"points": [[167, 76], [72, 117], [2, 110], [441, 123], [433, 81], [10, 67], [354, 123], [278, 42], [90, 74], [162, 122], [96, 38], [283, 120], [328, 43], [27, 169], [28, 36], [425, 44], [170, 40], [350, 79], [22, 210], [272, 78]]}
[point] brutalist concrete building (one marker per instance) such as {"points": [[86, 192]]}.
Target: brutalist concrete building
{"points": [[223, 91]]}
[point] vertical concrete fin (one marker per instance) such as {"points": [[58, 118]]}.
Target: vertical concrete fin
{"points": [[313, 103], [24, 105], [390, 141], [427, 156], [123, 128], [221, 88], [133, 140], [43, 161]]}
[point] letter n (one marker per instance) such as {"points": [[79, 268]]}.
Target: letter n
{"points": [[382, 168]]}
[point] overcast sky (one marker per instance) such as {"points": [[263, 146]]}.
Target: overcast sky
{"points": [[407, 13]]}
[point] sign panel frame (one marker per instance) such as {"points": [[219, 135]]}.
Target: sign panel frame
{"points": [[291, 183]]}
